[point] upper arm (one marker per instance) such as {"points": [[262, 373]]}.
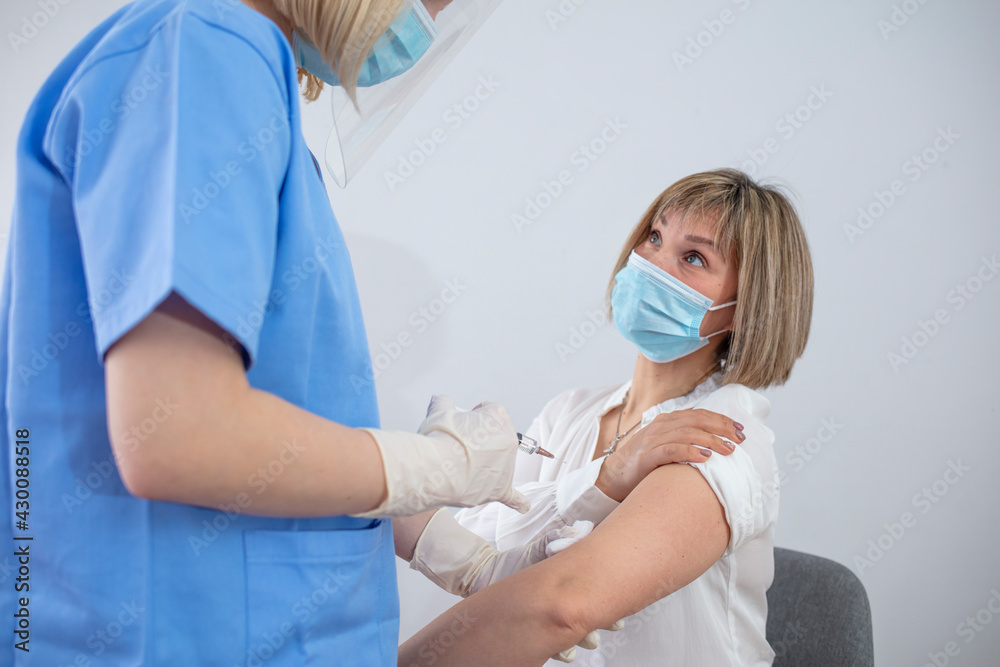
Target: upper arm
{"points": [[175, 200], [166, 378], [665, 534]]}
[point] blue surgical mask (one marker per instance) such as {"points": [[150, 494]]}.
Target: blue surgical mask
{"points": [[407, 39], [657, 312]]}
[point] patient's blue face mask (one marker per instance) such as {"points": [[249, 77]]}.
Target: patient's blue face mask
{"points": [[659, 313], [407, 39]]}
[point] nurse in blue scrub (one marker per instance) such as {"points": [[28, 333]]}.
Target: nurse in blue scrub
{"points": [[191, 476]]}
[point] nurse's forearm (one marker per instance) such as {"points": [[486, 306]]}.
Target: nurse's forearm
{"points": [[186, 427], [292, 462]]}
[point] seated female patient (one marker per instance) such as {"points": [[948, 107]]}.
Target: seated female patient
{"points": [[714, 287]]}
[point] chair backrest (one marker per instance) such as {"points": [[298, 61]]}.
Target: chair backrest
{"points": [[817, 614]]}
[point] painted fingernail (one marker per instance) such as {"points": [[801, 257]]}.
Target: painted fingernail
{"points": [[739, 434], [706, 452], [739, 426], [730, 445]]}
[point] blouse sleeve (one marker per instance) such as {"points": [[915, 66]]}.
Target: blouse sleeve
{"points": [[738, 479]]}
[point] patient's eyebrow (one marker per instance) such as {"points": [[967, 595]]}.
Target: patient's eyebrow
{"points": [[700, 239]]}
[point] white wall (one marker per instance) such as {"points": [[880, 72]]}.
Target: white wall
{"points": [[898, 428]]}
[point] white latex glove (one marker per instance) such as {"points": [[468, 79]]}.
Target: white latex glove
{"points": [[590, 641], [459, 458], [462, 563]]}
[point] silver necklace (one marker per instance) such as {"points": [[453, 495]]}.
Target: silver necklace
{"points": [[614, 443]]}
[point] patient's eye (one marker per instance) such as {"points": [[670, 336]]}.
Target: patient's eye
{"points": [[654, 237], [694, 259]]}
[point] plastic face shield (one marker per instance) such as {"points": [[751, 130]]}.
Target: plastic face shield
{"points": [[358, 133]]}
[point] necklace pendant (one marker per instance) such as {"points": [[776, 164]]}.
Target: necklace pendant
{"points": [[610, 450]]}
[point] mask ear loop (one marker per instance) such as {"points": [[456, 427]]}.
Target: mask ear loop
{"points": [[719, 307], [724, 305]]}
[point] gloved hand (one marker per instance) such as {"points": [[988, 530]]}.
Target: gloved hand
{"points": [[462, 563], [590, 641], [459, 458]]}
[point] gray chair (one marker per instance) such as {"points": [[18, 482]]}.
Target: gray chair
{"points": [[817, 614]]}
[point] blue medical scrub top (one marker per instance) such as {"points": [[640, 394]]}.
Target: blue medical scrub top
{"points": [[165, 154]]}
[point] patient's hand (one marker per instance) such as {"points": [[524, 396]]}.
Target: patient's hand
{"points": [[672, 437]]}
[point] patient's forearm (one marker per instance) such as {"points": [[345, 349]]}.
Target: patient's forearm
{"points": [[667, 533], [512, 622]]}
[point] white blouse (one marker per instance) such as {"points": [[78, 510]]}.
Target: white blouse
{"points": [[719, 618]]}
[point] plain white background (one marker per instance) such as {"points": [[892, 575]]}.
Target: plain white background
{"points": [[862, 436]]}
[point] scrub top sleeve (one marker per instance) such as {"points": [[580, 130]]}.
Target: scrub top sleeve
{"points": [[176, 154]]}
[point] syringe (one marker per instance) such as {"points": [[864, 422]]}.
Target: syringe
{"points": [[530, 446]]}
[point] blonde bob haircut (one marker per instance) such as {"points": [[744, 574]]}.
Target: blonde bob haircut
{"points": [[344, 31], [760, 232]]}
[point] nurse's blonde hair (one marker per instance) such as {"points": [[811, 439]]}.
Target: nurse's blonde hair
{"points": [[760, 231], [344, 31]]}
